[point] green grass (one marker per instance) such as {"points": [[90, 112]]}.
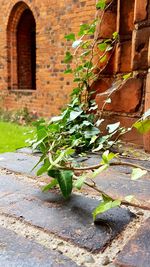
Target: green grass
{"points": [[14, 136]]}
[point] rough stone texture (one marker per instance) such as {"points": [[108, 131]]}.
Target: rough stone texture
{"points": [[18, 251], [70, 220], [136, 253], [147, 106], [125, 99]]}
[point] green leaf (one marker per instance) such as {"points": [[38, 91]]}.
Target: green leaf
{"points": [[137, 173], [70, 37], [91, 132], [74, 115], [101, 4], [65, 182], [115, 35], [44, 168], [49, 186], [68, 71], [113, 127], [80, 182], [83, 29], [103, 59], [54, 173], [142, 126], [105, 206], [102, 46], [68, 57], [107, 157], [99, 170], [127, 76]]}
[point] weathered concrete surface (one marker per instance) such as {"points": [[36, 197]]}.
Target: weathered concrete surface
{"points": [[70, 220], [16, 251], [137, 251]]}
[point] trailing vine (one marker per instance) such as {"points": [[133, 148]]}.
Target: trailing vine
{"points": [[78, 129]]}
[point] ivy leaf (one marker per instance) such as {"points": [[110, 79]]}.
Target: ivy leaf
{"points": [[142, 126], [68, 57], [105, 206], [44, 168], [113, 127], [80, 182], [127, 76], [137, 173], [102, 46], [107, 157], [68, 71], [49, 186], [99, 170], [115, 35], [101, 4], [70, 37], [103, 59], [76, 43], [74, 115], [65, 182], [83, 29]]}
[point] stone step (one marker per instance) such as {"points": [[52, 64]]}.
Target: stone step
{"points": [[17, 251], [136, 253], [70, 220]]}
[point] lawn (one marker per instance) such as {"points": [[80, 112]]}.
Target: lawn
{"points": [[14, 136]]}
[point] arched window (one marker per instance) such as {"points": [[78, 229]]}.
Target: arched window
{"points": [[21, 36]]}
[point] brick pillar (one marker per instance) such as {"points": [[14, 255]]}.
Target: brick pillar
{"points": [[147, 104]]}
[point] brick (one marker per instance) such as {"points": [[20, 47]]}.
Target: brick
{"points": [[136, 253], [140, 10], [124, 62], [18, 251], [146, 136], [67, 219], [126, 17], [116, 181], [126, 99], [140, 48]]}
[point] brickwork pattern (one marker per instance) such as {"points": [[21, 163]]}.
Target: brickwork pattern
{"points": [[131, 18]]}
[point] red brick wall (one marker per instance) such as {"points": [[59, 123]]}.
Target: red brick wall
{"points": [[131, 18], [54, 19]]}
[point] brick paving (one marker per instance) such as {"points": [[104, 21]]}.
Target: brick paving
{"points": [[137, 251], [71, 221]]}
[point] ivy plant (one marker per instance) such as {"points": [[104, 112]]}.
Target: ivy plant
{"points": [[78, 130]]}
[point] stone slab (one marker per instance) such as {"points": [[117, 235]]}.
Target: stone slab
{"points": [[70, 220], [115, 181], [19, 162], [16, 251], [137, 251]]}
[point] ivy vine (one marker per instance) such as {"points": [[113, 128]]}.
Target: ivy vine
{"points": [[78, 130]]}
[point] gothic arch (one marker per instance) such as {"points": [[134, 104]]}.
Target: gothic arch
{"points": [[21, 46]]}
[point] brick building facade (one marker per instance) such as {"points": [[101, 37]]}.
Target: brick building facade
{"points": [[32, 50]]}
